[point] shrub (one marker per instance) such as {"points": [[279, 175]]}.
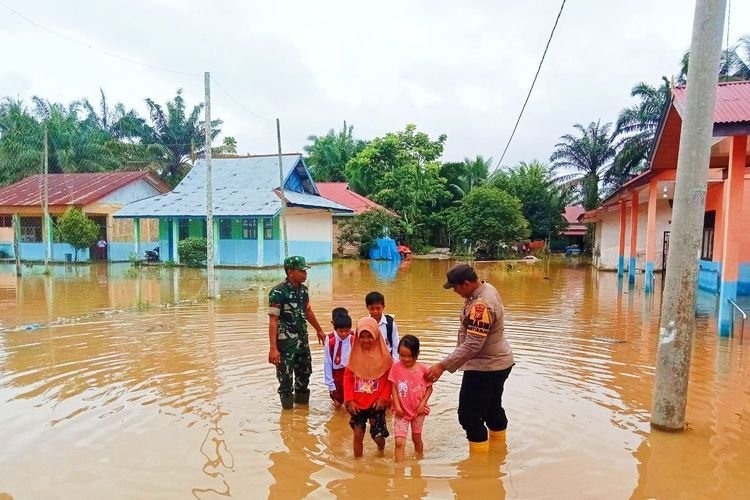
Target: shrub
{"points": [[193, 251]]}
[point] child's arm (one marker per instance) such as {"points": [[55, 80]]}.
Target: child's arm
{"points": [[328, 369], [349, 392], [422, 407], [397, 408], [384, 394]]}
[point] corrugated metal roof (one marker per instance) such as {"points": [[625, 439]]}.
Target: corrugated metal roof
{"points": [[341, 194], [732, 102], [71, 189], [241, 187]]}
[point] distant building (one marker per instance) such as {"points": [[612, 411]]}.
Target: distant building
{"points": [[340, 193], [246, 208], [640, 212], [99, 195], [575, 231]]}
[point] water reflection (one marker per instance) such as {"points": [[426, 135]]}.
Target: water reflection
{"points": [[292, 469], [174, 395]]}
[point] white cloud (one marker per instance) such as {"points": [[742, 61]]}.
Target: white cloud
{"points": [[457, 68]]}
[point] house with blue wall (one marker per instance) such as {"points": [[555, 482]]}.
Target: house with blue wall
{"points": [[247, 207], [98, 195]]}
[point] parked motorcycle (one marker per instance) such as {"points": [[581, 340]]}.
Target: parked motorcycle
{"points": [[152, 255]]}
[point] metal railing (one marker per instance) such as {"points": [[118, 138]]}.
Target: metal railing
{"points": [[744, 317]]}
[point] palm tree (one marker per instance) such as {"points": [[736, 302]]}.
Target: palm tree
{"points": [[329, 154], [734, 64], [585, 160], [180, 134], [20, 142], [476, 172], [636, 127], [119, 123], [74, 146]]}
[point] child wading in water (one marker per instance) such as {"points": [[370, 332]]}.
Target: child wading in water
{"points": [[410, 395], [367, 391], [338, 345]]}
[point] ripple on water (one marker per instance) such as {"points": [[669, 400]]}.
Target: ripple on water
{"points": [[180, 400]]}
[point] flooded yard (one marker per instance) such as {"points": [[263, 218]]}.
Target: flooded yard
{"points": [[124, 383]]}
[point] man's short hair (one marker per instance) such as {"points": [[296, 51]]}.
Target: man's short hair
{"points": [[458, 274]]}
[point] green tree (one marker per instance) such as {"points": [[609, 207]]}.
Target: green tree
{"points": [[76, 229], [734, 63], [542, 201], [386, 154], [362, 230], [119, 123], [180, 133], [328, 155], [583, 161], [21, 139], [401, 171], [486, 219], [636, 129], [228, 147]]}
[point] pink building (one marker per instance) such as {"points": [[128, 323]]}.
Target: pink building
{"points": [[634, 222]]}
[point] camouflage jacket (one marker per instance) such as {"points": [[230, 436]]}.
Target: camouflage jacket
{"points": [[290, 304]]}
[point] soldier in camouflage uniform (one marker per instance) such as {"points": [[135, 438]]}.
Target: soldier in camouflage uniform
{"points": [[289, 311]]}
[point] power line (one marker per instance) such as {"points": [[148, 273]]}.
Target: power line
{"points": [[532, 86], [91, 47], [237, 101]]}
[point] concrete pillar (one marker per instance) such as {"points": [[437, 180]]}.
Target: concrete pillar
{"points": [[734, 187], [175, 240], [623, 225], [633, 236], [217, 255], [137, 237], [648, 285], [261, 235]]}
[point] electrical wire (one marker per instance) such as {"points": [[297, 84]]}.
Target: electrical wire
{"points": [[91, 47], [539, 68]]}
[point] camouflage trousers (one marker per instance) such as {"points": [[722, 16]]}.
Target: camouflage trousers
{"points": [[294, 370]]}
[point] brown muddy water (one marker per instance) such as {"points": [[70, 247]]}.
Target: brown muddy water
{"points": [[132, 386]]}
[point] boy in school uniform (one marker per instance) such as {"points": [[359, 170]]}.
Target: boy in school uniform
{"points": [[337, 347], [375, 302]]}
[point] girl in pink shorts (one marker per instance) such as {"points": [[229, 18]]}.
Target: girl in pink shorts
{"points": [[410, 392]]}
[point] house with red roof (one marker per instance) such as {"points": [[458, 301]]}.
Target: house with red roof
{"points": [[575, 231], [99, 195], [340, 193], [640, 212]]}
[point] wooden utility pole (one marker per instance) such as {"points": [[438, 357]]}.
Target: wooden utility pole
{"points": [[281, 190], [677, 323], [209, 194], [45, 203]]}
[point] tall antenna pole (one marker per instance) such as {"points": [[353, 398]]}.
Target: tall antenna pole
{"points": [[209, 194], [281, 189]]}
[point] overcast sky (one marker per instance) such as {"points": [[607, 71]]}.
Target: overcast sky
{"points": [[459, 68]]}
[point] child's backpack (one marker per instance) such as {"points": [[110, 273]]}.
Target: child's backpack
{"points": [[389, 331], [332, 343]]}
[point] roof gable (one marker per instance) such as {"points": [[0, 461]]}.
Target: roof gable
{"points": [[72, 189], [241, 186]]}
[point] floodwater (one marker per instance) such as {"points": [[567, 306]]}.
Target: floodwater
{"points": [[121, 383]]}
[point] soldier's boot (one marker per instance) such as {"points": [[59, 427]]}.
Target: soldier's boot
{"points": [[287, 401], [302, 397]]}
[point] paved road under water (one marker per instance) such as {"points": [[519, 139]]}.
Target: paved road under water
{"points": [[133, 387]]}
